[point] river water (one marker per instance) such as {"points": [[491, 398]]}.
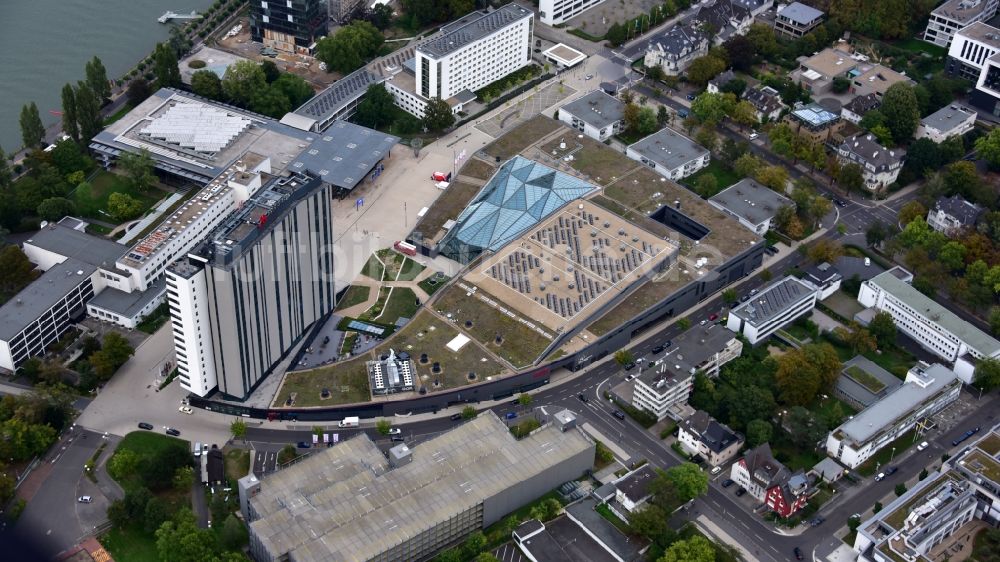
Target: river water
{"points": [[46, 43]]}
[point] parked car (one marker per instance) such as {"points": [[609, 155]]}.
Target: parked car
{"points": [[816, 521], [868, 262], [618, 414], [740, 491], [144, 425], [702, 323], [85, 499], [713, 317], [589, 77], [922, 446], [582, 398], [682, 113], [304, 444], [658, 349], [395, 431], [185, 410], [798, 553], [716, 470], [691, 97], [879, 476], [629, 366], [456, 417], [173, 432], [890, 470], [727, 482], [754, 135], [511, 415]]}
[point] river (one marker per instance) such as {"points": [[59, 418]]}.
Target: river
{"points": [[46, 43]]}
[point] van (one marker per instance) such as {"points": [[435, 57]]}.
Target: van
{"points": [[351, 421]]}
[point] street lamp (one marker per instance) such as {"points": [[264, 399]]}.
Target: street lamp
{"points": [[892, 454]]}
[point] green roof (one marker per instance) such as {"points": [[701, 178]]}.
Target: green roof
{"points": [[972, 336]]}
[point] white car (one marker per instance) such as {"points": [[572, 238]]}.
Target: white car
{"points": [[754, 135], [395, 431], [879, 477], [185, 410], [922, 446], [716, 470], [85, 499]]}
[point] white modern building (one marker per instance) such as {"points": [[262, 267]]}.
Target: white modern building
{"points": [[880, 166], [926, 390], [556, 12], [670, 154], [751, 203], [938, 514], [970, 48], [699, 434], [465, 56], [771, 309], [951, 215], [948, 18], [665, 384], [797, 19], [597, 115], [937, 329], [823, 278], [951, 120]]}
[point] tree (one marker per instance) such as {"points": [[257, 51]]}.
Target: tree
{"points": [[987, 374], [138, 169], [297, 90], [877, 233], [32, 130], [97, 79], [902, 114], [525, 399], [877, 507], [183, 478], [69, 123], [624, 357], [804, 429], [741, 53], [684, 323], [206, 83], [271, 71], [270, 101], [952, 256], [825, 250], [747, 165], [775, 177], [695, 549], [469, 412], [238, 429], [910, 211], [381, 16], [88, 112], [287, 454], [438, 115], [647, 124], [376, 109], [383, 426], [840, 85], [180, 540], [662, 116], [711, 108], [242, 81], [744, 114], [704, 68], [883, 135], [851, 178], [706, 185], [616, 34], [804, 372], [123, 464], [900, 489], [883, 328], [729, 295], [168, 75], [115, 351], [474, 544], [988, 148], [994, 319], [138, 91], [55, 208], [347, 49], [758, 432], [707, 137], [486, 557], [234, 534], [688, 480]]}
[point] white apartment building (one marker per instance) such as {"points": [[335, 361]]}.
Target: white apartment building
{"points": [[597, 115], [926, 390], [970, 48], [951, 120], [953, 15], [473, 52], [753, 204], [670, 154], [771, 309], [880, 166], [555, 12], [934, 327], [666, 383]]}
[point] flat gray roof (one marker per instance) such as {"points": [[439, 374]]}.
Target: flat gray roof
{"points": [[750, 201], [470, 29], [800, 13], [77, 244], [859, 392], [898, 404], [668, 148], [689, 350], [42, 294], [948, 117], [961, 10], [972, 336], [584, 514], [597, 109], [344, 154], [345, 504], [783, 294], [128, 304], [563, 540], [982, 32], [337, 96]]}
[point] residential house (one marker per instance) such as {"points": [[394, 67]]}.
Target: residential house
{"points": [[766, 101], [797, 19], [814, 122], [725, 19], [674, 49], [952, 214], [769, 481], [716, 84], [880, 166], [876, 79], [951, 120], [700, 435], [632, 491], [854, 111]]}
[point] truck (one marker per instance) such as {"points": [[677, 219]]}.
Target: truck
{"points": [[352, 421]]}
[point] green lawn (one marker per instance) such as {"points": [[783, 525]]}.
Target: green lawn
{"points": [[724, 178], [131, 544], [237, 463], [433, 283], [376, 309], [605, 512], [791, 455], [409, 270], [918, 46], [864, 379], [373, 268], [584, 35], [118, 114], [402, 303], [91, 201], [147, 442], [355, 294]]}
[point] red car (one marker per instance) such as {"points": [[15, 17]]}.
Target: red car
{"points": [[713, 317]]}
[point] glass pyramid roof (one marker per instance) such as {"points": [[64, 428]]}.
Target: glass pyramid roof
{"points": [[518, 196]]}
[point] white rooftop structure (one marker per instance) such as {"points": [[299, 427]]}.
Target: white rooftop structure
{"points": [[196, 126]]}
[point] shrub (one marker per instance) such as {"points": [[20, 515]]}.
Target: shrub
{"points": [[196, 64]]}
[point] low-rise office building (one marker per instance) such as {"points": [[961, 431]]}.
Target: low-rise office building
{"points": [[953, 15], [797, 19], [670, 154], [419, 501], [674, 49], [880, 166], [556, 12], [665, 384], [937, 329], [597, 115], [926, 390], [951, 120], [753, 204], [951, 215], [771, 309], [770, 482], [823, 278], [699, 434], [936, 516], [862, 383], [814, 122]]}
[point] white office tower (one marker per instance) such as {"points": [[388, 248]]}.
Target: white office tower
{"points": [[188, 300]]}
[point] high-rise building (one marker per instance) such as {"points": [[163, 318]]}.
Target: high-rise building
{"points": [[289, 25], [251, 291]]}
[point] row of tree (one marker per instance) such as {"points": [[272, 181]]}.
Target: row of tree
{"points": [[261, 88], [81, 108]]}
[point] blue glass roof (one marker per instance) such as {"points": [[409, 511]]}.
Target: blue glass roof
{"points": [[518, 196]]}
